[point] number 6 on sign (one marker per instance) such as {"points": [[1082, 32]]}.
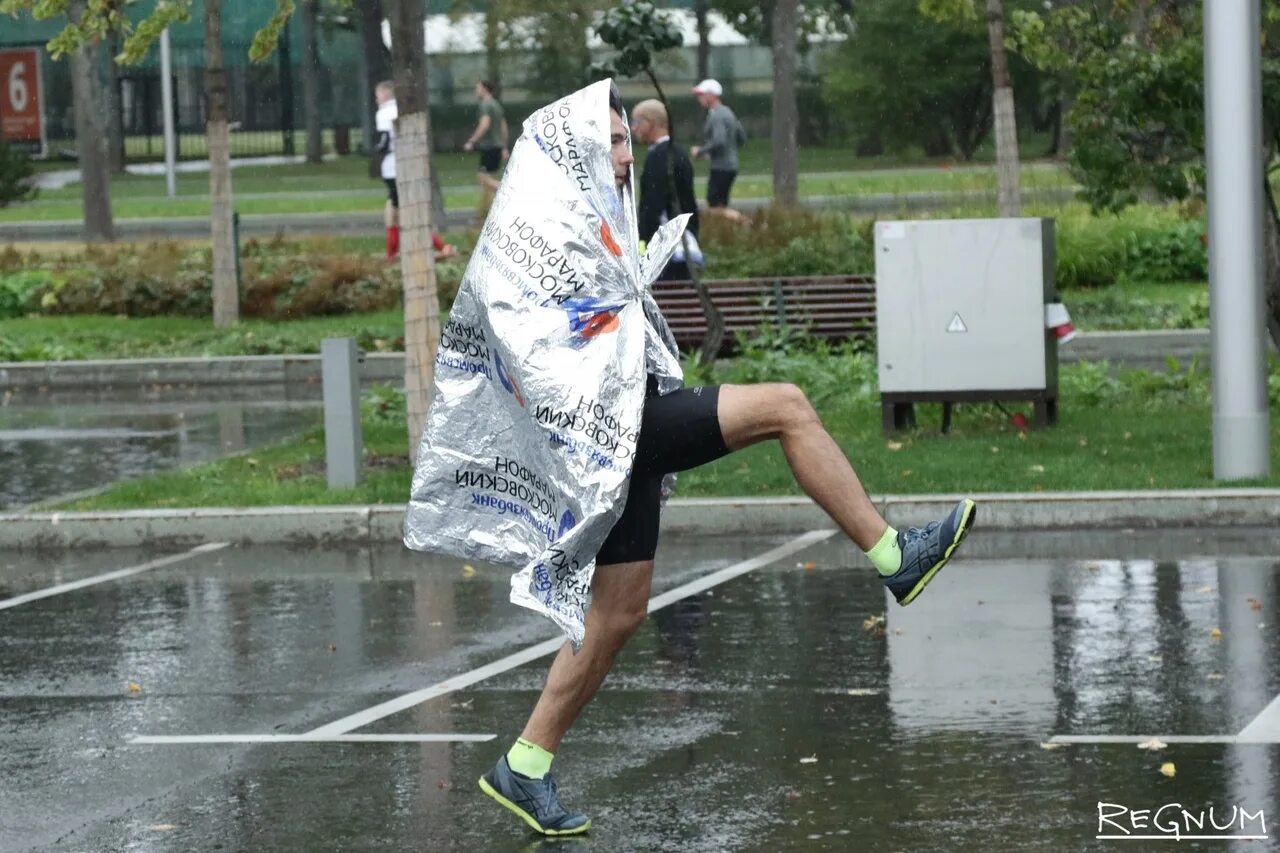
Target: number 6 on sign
{"points": [[18, 88], [21, 101]]}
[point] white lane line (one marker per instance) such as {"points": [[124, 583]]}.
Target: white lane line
{"points": [[251, 738], [532, 653], [25, 598], [1101, 739], [1264, 728]]}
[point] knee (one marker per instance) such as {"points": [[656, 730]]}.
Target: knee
{"points": [[619, 624], [794, 407]]}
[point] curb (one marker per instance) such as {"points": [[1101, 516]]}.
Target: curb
{"points": [[329, 525], [1137, 348]]}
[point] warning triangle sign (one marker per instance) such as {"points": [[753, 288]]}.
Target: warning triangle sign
{"points": [[957, 324]]}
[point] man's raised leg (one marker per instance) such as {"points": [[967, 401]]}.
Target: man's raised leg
{"points": [[753, 413], [521, 780]]}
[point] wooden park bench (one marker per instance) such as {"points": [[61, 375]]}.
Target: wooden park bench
{"points": [[834, 307]]}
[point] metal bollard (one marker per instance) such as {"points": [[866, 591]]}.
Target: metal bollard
{"points": [[343, 442]]}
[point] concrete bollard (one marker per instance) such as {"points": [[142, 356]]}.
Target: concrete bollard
{"points": [[343, 441]]}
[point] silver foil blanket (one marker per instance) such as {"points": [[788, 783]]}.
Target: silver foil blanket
{"points": [[540, 376]]}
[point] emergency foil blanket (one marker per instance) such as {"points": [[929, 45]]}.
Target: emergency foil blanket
{"points": [[540, 376]]}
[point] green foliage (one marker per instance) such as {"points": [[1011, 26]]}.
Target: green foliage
{"points": [[382, 404], [905, 80], [166, 279], [779, 241], [19, 291], [266, 39], [16, 172], [1138, 119], [638, 31], [751, 18], [1139, 244], [825, 372]]}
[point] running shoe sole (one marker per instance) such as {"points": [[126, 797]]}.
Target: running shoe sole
{"points": [[525, 816], [966, 522]]}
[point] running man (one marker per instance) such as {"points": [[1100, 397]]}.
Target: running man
{"points": [[721, 135], [678, 431], [490, 139], [385, 124]]}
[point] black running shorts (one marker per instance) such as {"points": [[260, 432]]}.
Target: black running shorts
{"points": [[719, 183], [490, 160], [393, 194], [678, 431]]}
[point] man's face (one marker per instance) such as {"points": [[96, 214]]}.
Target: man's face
{"points": [[642, 130], [381, 95], [704, 100], [480, 91], [622, 158]]}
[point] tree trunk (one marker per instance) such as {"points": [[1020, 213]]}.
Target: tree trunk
{"points": [[1271, 260], [493, 43], [376, 61], [1006, 125], [413, 180], [91, 140], [311, 79], [226, 291], [786, 183], [114, 107], [700, 10]]}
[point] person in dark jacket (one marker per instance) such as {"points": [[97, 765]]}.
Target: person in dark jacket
{"points": [[650, 126]]}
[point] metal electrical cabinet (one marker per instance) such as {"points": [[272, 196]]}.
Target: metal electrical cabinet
{"points": [[960, 314]]}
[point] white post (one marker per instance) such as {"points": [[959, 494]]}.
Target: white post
{"points": [[166, 94], [1233, 160]]}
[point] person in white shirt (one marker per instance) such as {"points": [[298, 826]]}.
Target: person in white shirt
{"points": [[385, 124]]}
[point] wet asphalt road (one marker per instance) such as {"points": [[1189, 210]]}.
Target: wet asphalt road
{"points": [[757, 715]]}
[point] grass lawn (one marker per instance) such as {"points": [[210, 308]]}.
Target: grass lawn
{"points": [[343, 186], [1108, 444]]}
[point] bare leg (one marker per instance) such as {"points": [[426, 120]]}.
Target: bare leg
{"points": [[619, 604], [391, 216], [753, 413]]}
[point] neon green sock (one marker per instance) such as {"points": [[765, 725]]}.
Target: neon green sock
{"points": [[886, 556], [529, 759]]}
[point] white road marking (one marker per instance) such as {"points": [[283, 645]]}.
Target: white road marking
{"points": [[25, 598], [1264, 728], [1100, 739], [307, 738], [532, 653]]}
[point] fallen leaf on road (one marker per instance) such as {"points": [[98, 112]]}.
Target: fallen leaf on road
{"points": [[1215, 676], [811, 759], [1154, 744], [332, 647], [862, 691], [163, 827], [872, 621], [1215, 634], [1168, 769], [1050, 745], [133, 687], [468, 571]]}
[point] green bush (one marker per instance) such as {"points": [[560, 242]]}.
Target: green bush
{"points": [[774, 242], [1141, 244], [15, 175], [19, 291]]}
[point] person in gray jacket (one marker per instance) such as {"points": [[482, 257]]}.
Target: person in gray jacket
{"points": [[721, 136]]}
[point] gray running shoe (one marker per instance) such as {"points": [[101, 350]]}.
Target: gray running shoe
{"points": [[533, 800], [927, 549]]}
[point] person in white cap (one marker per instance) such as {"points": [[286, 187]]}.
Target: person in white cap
{"points": [[721, 136]]}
